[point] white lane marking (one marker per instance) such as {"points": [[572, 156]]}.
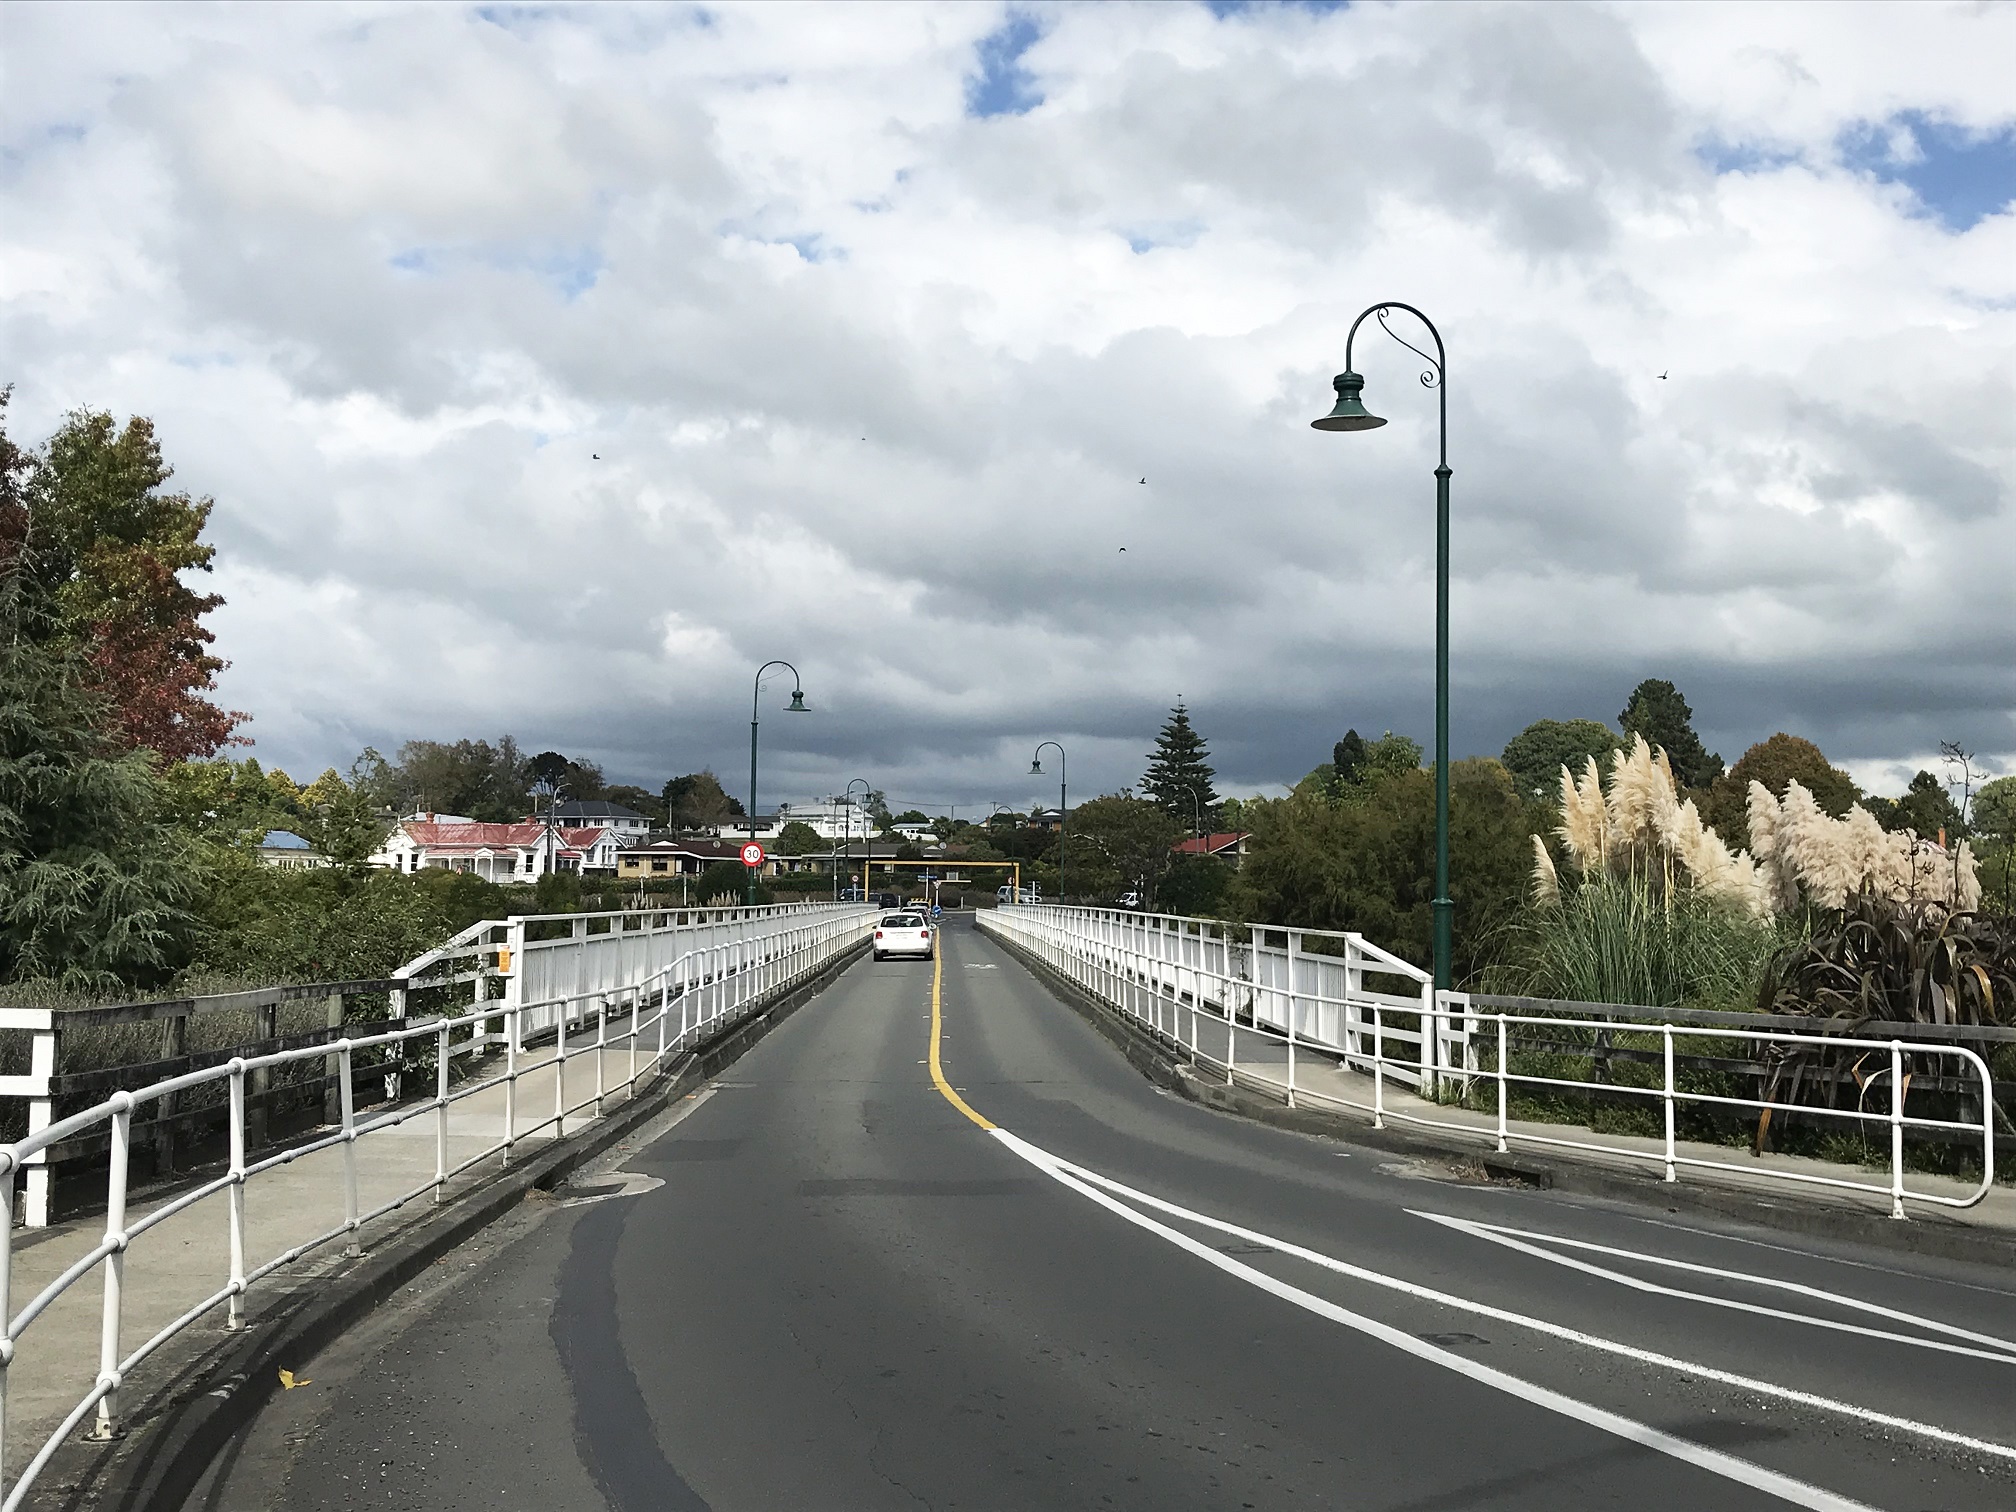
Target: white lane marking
{"points": [[1786, 1249], [1538, 1325], [1999, 1349], [1771, 1482]]}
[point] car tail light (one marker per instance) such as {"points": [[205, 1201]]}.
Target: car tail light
{"points": [[878, 934], [925, 932]]}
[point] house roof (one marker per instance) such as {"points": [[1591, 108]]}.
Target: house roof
{"points": [[284, 840], [1211, 844], [596, 808]]}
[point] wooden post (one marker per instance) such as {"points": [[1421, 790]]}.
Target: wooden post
{"points": [[174, 1044], [332, 1094], [259, 1081]]}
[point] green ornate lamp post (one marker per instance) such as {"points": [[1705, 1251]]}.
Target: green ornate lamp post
{"points": [[796, 706], [1063, 807], [1351, 415]]}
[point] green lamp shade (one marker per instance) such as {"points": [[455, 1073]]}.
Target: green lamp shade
{"points": [[1349, 415], [797, 705], [1036, 769]]}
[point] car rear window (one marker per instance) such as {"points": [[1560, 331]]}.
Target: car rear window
{"points": [[902, 921]]}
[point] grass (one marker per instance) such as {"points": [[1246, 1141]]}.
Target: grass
{"points": [[1614, 940]]}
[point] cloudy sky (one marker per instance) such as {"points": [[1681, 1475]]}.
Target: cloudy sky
{"points": [[552, 367]]}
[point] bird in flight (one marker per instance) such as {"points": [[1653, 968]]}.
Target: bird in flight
{"points": [[1144, 480], [1662, 375], [594, 456], [1123, 550]]}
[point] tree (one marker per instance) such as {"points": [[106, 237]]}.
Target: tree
{"points": [[1926, 809], [1994, 820], [1369, 864], [799, 839], [912, 816], [473, 777], [1347, 757], [1777, 762], [94, 883], [1179, 779], [339, 821], [697, 801], [1658, 712], [109, 549], [1537, 753], [1368, 762], [1121, 844], [640, 799]]}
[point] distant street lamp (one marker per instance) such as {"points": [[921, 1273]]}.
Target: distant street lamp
{"points": [[1063, 807], [848, 800], [1196, 812], [1351, 415], [796, 706]]}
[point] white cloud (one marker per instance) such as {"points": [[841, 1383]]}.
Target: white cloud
{"points": [[872, 381]]}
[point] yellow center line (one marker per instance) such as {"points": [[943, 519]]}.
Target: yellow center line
{"points": [[937, 1028]]}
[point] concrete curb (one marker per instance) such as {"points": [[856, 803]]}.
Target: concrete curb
{"points": [[159, 1463], [1791, 1211]]}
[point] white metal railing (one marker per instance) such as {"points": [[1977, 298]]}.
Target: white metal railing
{"points": [[675, 1004], [1177, 976], [543, 958]]}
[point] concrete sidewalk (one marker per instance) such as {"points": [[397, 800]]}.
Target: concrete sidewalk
{"points": [[174, 1266]]}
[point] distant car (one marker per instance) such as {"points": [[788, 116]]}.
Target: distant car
{"points": [[888, 900], [1128, 900], [902, 934], [1007, 895]]}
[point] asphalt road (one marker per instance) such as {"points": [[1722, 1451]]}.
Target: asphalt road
{"points": [[846, 1293]]}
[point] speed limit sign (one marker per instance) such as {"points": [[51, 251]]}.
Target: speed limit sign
{"points": [[752, 854]]}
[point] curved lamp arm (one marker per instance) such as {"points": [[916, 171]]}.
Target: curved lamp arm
{"points": [[797, 686]]}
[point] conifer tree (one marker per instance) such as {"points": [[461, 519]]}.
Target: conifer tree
{"points": [[1177, 770], [1658, 712]]}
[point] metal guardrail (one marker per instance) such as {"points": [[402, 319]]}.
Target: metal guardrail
{"points": [[687, 1000], [1175, 974], [524, 960]]}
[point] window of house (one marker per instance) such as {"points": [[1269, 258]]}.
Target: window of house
{"points": [[658, 866]]}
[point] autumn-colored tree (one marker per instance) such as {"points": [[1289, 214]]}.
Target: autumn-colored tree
{"points": [[109, 549]]}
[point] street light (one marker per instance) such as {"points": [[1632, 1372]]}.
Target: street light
{"points": [[849, 796], [796, 706], [1063, 808], [1351, 415]]}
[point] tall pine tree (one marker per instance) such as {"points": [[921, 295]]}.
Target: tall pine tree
{"points": [[1178, 778], [1658, 712]]}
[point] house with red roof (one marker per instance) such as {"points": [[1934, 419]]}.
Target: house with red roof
{"points": [[1228, 846], [521, 852]]}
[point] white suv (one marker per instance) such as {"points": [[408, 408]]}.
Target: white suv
{"points": [[902, 934]]}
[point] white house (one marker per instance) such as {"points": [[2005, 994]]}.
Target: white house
{"points": [[831, 819], [497, 852], [626, 823], [289, 852]]}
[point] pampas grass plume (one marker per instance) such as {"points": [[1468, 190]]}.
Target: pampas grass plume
{"points": [[1546, 881]]}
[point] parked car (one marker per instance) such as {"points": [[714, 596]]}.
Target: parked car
{"points": [[1007, 895], [903, 934], [1128, 900]]}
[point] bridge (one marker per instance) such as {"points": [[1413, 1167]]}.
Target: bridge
{"points": [[701, 1209]]}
